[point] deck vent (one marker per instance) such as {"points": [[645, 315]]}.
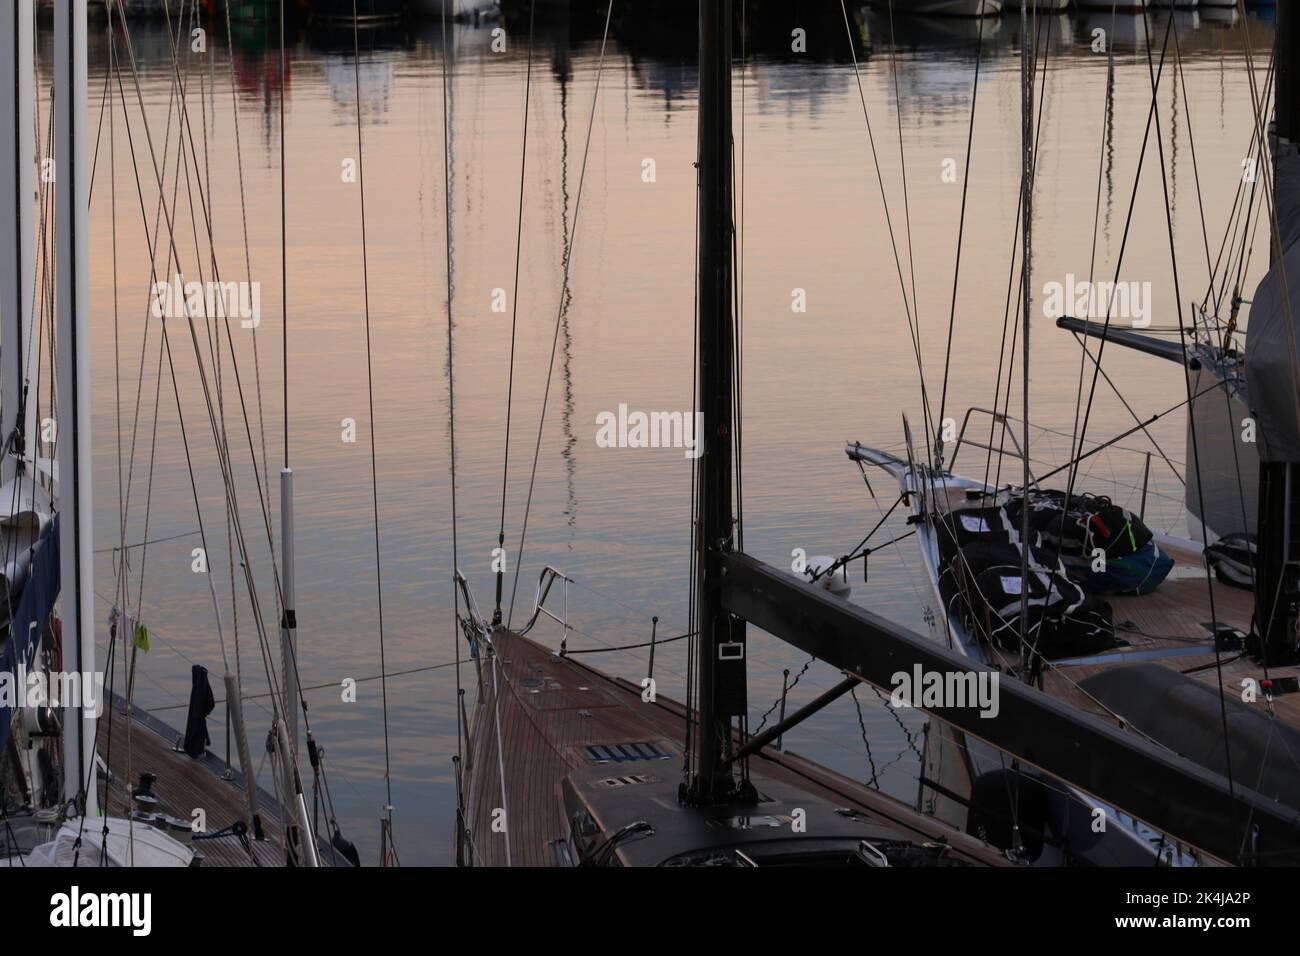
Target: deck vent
{"points": [[621, 753], [630, 780]]}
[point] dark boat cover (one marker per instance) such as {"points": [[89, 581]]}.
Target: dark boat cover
{"points": [[34, 607], [1185, 716], [1272, 347]]}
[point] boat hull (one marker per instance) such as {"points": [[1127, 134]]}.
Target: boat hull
{"points": [[360, 10], [554, 743], [1048, 5], [954, 763], [1123, 6], [1222, 492], [949, 8]]}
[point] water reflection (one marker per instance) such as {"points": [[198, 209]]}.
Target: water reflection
{"points": [[617, 519]]}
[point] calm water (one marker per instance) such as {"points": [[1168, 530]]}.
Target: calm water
{"points": [[615, 520]]}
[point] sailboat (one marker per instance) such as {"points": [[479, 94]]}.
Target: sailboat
{"points": [[566, 766], [52, 735], [1074, 594], [563, 765], [89, 778]]}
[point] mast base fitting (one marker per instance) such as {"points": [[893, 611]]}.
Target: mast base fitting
{"points": [[740, 792]]}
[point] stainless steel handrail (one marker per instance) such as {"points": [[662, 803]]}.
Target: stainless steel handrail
{"points": [[547, 578]]}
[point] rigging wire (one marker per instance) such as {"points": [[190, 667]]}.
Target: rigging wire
{"points": [[223, 456], [1195, 455], [1028, 55], [370, 397], [909, 307], [559, 312], [284, 254], [451, 401], [1006, 354], [514, 309], [692, 644], [1096, 225], [89, 782], [248, 269], [961, 222], [902, 175]]}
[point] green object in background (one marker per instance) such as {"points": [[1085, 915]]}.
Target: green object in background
{"points": [[253, 9], [141, 638]]}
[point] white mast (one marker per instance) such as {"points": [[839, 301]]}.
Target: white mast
{"points": [[73, 376], [17, 218]]}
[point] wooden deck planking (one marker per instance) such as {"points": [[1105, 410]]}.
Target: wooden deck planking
{"points": [[183, 785], [551, 708]]}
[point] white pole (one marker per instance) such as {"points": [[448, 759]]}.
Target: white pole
{"points": [[76, 541], [17, 214]]}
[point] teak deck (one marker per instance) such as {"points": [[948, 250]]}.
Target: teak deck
{"points": [[551, 709], [184, 784]]}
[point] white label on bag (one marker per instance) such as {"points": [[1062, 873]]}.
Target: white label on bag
{"points": [[974, 523], [1011, 585]]}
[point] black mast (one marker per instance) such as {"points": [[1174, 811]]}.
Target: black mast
{"points": [[721, 655]]}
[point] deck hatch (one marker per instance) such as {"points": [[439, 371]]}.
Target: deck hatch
{"points": [[622, 753]]}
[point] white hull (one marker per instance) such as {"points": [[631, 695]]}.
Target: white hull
{"points": [[459, 8], [1127, 842]]}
